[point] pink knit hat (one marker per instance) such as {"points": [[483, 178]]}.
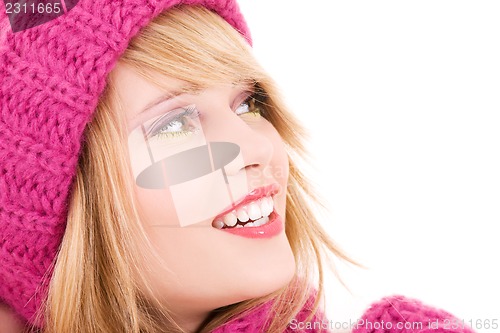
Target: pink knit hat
{"points": [[51, 77]]}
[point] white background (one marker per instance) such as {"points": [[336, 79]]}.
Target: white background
{"points": [[402, 100]]}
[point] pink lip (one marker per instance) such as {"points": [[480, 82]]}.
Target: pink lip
{"points": [[260, 192], [272, 228]]}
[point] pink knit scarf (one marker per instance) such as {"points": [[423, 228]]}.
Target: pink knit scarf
{"points": [[395, 314]]}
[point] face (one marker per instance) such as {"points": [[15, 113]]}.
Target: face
{"points": [[205, 165]]}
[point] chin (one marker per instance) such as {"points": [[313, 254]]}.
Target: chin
{"points": [[267, 278]]}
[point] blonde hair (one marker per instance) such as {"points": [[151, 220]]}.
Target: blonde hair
{"points": [[96, 284]]}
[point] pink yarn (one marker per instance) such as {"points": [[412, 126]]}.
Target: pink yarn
{"points": [[51, 77], [399, 314]]}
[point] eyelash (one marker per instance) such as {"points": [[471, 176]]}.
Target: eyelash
{"points": [[252, 103], [160, 128]]}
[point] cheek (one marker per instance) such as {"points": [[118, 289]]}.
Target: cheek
{"points": [[279, 161], [156, 207], [277, 170]]}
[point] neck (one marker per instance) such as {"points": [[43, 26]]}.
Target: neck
{"points": [[189, 323]]}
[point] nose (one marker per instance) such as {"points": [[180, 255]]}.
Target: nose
{"points": [[256, 148]]}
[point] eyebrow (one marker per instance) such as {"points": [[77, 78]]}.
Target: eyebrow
{"points": [[161, 99], [170, 95]]}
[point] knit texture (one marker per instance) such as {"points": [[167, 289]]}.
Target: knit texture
{"points": [[399, 314], [51, 77]]}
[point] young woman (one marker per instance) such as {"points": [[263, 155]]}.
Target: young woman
{"points": [[148, 177]]}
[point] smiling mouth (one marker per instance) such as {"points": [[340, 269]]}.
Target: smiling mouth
{"points": [[252, 214], [252, 211]]}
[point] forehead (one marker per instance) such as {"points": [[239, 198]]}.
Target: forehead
{"points": [[135, 92], [129, 83], [134, 88]]}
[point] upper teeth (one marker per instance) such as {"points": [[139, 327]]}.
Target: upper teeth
{"points": [[254, 210]]}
